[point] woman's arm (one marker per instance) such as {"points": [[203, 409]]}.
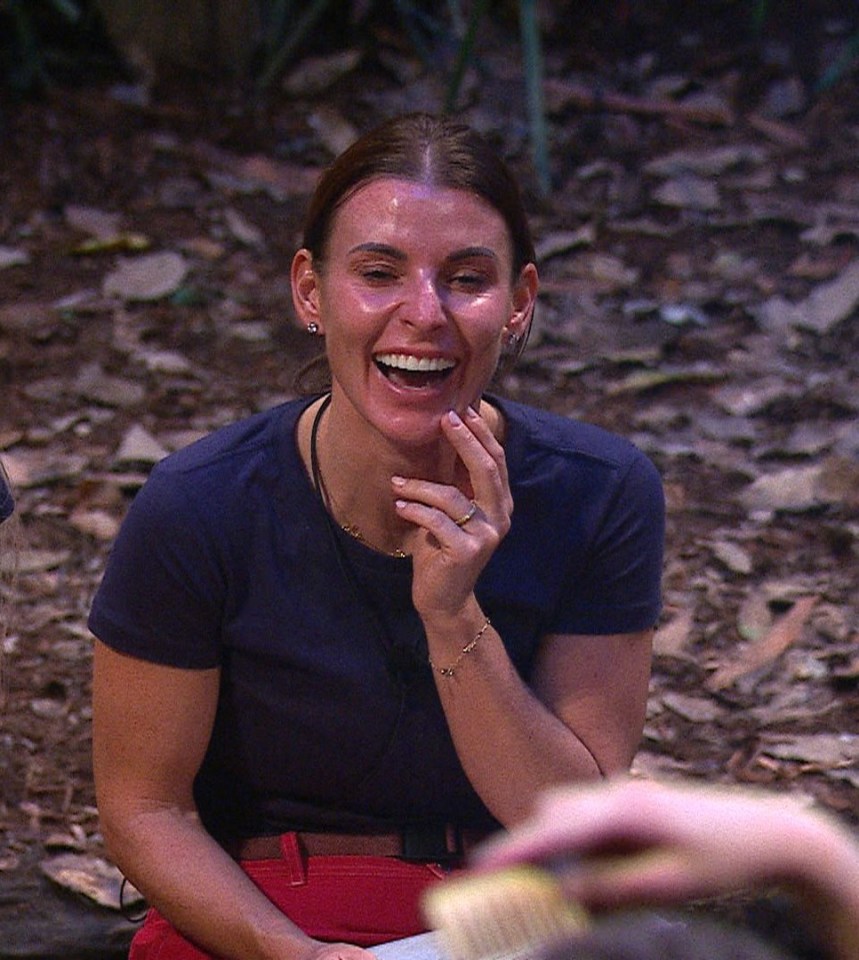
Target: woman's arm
{"points": [[584, 713], [151, 728], [581, 718], [632, 843]]}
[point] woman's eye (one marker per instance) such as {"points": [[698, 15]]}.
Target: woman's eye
{"points": [[468, 280], [377, 274]]}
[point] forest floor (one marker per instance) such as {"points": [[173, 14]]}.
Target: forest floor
{"points": [[699, 253]]}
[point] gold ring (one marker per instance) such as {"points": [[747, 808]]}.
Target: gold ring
{"points": [[463, 520]]}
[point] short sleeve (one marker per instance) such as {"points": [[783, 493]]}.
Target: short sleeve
{"points": [[617, 586], [162, 591]]}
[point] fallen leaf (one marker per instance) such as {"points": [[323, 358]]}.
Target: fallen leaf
{"points": [[785, 632], [797, 489], [672, 637], [733, 556], [562, 241], [117, 242], [151, 277], [688, 192], [646, 380], [139, 447], [94, 384], [830, 303], [13, 257], [242, 230], [95, 523], [315, 74], [332, 128], [696, 709], [92, 877], [754, 618], [822, 749], [92, 221], [705, 162]]}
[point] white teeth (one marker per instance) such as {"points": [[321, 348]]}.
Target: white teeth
{"points": [[403, 361]]}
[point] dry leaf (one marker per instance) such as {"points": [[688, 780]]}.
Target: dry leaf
{"points": [[92, 877], [672, 637], [822, 749], [786, 631], [150, 277]]}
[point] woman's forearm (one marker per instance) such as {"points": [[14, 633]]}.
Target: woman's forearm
{"points": [[197, 886], [510, 745]]}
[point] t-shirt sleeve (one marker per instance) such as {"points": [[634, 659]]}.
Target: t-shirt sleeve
{"points": [[618, 586], [161, 595]]}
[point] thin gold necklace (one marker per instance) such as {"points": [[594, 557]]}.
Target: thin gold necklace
{"points": [[352, 529]]}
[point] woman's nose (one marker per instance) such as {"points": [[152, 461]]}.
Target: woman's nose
{"points": [[425, 307]]}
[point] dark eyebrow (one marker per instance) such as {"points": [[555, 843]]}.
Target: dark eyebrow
{"points": [[387, 250], [470, 252], [382, 248]]}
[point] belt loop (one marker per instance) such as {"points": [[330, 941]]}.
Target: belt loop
{"points": [[294, 859]]}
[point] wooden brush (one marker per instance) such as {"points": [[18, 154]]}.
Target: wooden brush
{"points": [[505, 915]]}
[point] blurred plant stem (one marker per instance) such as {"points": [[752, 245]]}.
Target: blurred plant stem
{"points": [[533, 57], [280, 11], [27, 68], [533, 69]]}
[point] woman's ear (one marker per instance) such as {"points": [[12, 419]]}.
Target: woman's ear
{"points": [[524, 300], [305, 291]]}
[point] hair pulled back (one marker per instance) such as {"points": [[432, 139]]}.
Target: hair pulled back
{"points": [[424, 149]]}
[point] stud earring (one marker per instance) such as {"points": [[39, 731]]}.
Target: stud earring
{"points": [[313, 328]]}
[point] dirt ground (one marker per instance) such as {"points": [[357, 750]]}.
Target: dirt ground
{"points": [[699, 253]]}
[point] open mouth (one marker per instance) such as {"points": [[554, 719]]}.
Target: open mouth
{"points": [[406, 370]]}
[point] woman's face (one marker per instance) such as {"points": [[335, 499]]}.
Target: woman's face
{"points": [[415, 299]]}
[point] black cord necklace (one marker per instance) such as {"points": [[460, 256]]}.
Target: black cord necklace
{"points": [[319, 484], [403, 661]]}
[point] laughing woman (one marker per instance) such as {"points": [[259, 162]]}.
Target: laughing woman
{"points": [[330, 655]]}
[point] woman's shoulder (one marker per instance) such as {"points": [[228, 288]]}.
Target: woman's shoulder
{"points": [[227, 473], [533, 429], [246, 438]]}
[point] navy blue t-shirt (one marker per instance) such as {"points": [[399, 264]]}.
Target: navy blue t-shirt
{"points": [[226, 559], [7, 504]]}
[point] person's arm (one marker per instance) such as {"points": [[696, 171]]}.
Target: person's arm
{"points": [[151, 727], [582, 715], [581, 718], [634, 843]]}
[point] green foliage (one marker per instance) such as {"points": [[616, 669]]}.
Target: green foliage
{"points": [[22, 53], [48, 40], [287, 26], [759, 11]]}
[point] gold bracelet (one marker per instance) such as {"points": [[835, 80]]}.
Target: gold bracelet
{"points": [[451, 670]]}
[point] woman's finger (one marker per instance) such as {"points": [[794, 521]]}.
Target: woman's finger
{"points": [[483, 459]]}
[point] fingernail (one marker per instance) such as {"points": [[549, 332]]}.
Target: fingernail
{"points": [[398, 481], [454, 418], [471, 413]]}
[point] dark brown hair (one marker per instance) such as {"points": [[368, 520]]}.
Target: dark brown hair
{"points": [[425, 149]]}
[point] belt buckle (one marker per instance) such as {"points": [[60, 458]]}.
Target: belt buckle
{"points": [[434, 842]]}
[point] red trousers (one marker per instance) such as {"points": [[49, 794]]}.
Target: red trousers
{"points": [[360, 900]]}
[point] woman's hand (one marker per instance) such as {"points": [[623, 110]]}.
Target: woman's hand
{"points": [[338, 951], [459, 524]]}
